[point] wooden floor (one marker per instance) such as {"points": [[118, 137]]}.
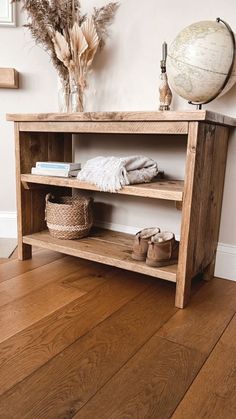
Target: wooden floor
{"points": [[82, 340]]}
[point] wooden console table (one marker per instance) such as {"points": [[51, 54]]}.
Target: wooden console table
{"points": [[43, 137]]}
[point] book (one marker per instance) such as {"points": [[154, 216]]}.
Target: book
{"points": [[54, 172], [57, 165]]}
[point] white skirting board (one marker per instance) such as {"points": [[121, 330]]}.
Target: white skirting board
{"points": [[8, 225], [226, 253], [226, 261]]}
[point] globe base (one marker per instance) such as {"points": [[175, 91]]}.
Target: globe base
{"points": [[198, 105]]}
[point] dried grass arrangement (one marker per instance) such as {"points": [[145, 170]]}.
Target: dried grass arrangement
{"points": [[71, 38]]}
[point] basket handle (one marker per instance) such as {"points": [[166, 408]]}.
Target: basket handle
{"points": [[47, 199], [89, 211]]}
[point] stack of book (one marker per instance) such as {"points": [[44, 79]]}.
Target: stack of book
{"points": [[60, 169]]}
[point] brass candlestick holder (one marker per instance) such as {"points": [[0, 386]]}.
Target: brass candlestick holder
{"points": [[165, 92]]}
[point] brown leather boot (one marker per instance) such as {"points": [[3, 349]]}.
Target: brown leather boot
{"points": [[163, 250], [140, 246]]}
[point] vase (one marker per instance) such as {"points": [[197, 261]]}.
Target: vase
{"points": [[76, 96], [70, 96], [64, 98]]}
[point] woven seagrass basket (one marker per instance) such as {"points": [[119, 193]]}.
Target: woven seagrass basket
{"points": [[69, 217]]}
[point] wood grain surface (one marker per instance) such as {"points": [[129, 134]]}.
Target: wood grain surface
{"points": [[9, 78], [213, 393], [146, 386], [162, 189], [114, 127], [203, 194], [31, 347], [28, 282], [73, 376], [12, 269], [200, 325], [200, 115], [104, 246], [80, 339]]}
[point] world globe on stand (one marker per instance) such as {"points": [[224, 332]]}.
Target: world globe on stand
{"points": [[199, 61]]}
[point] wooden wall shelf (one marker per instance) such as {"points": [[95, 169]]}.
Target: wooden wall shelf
{"points": [[9, 78], [48, 137]]}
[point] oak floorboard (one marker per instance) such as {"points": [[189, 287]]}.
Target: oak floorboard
{"points": [[25, 311], [29, 282], [30, 348], [213, 393], [149, 386], [92, 341], [92, 277], [200, 325], [62, 386], [13, 267], [155, 390]]}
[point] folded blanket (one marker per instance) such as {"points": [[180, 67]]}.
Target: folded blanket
{"points": [[110, 174]]}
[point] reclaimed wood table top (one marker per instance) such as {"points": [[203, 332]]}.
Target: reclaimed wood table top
{"points": [[166, 116]]}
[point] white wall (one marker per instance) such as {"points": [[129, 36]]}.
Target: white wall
{"points": [[38, 92], [126, 77]]}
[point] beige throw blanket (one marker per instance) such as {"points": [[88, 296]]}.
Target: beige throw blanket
{"points": [[110, 174]]}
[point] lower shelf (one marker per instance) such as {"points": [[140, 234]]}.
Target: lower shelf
{"points": [[103, 246]]}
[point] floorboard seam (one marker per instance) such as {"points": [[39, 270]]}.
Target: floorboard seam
{"points": [[31, 270], [122, 366], [171, 341], [76, 340], [14, 258], [204, 362], [44, 285], [177, 309], [50, 314]]}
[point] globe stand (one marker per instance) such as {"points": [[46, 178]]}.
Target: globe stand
{"points": [[199, 105]]}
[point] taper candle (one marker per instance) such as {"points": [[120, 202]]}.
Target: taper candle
{"points": [[164, 51]]}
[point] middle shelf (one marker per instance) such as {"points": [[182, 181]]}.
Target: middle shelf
{"points": [[161, 189]]}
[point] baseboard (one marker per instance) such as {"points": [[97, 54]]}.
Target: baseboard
{"points": [[225, 258], [226, 261], [117, 227], [8, 225]]}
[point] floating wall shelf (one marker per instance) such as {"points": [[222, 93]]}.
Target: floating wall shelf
{"points": [[9, 78]]}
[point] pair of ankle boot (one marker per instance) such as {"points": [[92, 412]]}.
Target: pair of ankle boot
{"points": [[155, 247]]}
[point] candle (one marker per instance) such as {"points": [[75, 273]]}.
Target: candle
{"points": [[164, 51]]}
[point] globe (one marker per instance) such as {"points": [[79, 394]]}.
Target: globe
{"points": [[199, 60]]}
